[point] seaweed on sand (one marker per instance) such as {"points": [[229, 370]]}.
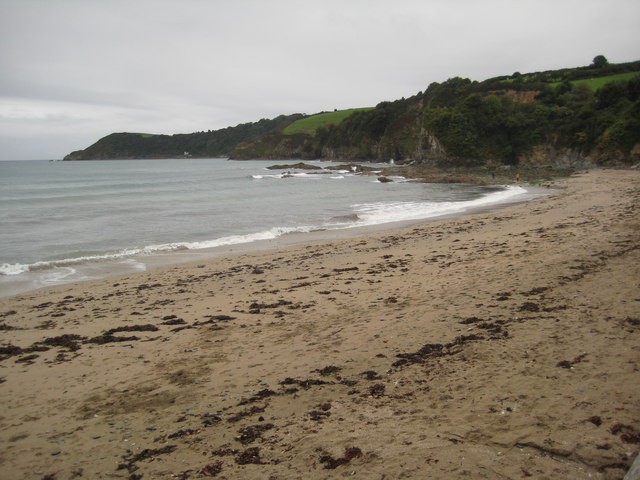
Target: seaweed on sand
{"points": [[349, 454]]}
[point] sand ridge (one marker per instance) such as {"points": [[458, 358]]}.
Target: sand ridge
{"points": [[497, 345]]}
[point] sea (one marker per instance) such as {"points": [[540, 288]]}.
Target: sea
{"points": [[64, 222]]}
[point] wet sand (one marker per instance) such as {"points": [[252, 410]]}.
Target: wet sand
{"points": [[502, 344]]}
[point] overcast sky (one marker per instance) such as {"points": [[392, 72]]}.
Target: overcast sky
{"points": [[72, 71]]}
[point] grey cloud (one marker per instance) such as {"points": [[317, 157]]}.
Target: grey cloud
{"points": [[168, 66]]}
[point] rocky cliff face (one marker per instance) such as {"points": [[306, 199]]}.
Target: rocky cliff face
{"points": [[518, 96]]}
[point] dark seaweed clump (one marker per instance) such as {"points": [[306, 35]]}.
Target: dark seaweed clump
{"points": [[250, 456], [349, 454]]}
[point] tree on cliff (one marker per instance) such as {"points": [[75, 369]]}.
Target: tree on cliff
{"points": [[600, 61]]}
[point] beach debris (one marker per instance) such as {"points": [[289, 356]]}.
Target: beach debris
{"points": [[28, 359], [345, 269], [596, 420], [224, 452], [328, 370], [133, 328], [321, 413], [212, 469], [179, 329], [5, 327], [256, 307], [629, 433], [250, 456], [131, 459], [7, 351], [258, 396], [371, 375], [183, 433], [470, 320], [221, 318], [434, 350], [529, 307], [43, 305], [46, 325], [304, 383], [251, 433], [535, 291], [146, 286], [349, 454], [246, 413], [69, 341], [209, 419], [318, 416], [172, 320], [570, 363], [348, 382], [632, 322], [102, 339], [377, 390], [495, 328]]}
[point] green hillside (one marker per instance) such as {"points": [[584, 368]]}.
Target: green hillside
{"points": [[584, 115], [216, 143], [311, 124], [598, 82]]}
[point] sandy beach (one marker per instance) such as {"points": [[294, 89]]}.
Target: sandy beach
{"points": [[499, 345]]}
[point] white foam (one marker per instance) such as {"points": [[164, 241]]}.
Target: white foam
{"points": [[252, 237], [287, 175], [59, 275], [136, 265], [385, 212], [13, 268]]}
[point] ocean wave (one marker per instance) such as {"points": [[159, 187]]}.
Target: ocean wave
{"points": [[301, 175], [13, 268], [345, 219], [60, 275], [386, 212], [272, 233]]}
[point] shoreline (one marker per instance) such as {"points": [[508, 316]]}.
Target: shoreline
{"points": [[100, 269], [502, 344]]}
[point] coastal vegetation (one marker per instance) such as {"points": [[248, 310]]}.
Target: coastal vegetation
{"points": [[583, 115], [597, 82], [199, 144]]}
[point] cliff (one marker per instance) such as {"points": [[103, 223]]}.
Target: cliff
{"points": [[573, 117]]}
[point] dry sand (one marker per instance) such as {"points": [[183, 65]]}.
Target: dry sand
{"points": [[497, 345]]}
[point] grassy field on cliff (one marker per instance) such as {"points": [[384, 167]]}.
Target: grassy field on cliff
{"points": [[310, 124], [598, 82]]}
